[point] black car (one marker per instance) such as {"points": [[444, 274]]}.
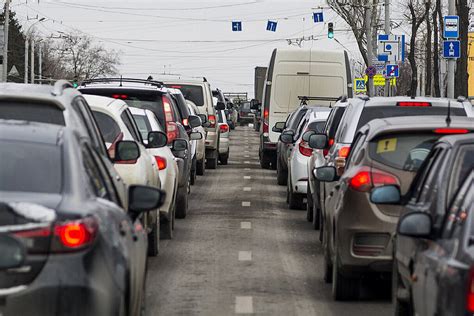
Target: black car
{"points": [[84, 254], [433, 248]]}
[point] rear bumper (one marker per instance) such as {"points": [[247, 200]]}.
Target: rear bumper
{"points": [[212, 139]]}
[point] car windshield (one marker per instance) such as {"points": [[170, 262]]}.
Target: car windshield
{"points": [[190, 92], [402, 151], [108, 127], [317, 126], [41, 160], [32, 111], [143, 125]]}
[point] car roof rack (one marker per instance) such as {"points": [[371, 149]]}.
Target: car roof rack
{"points": [[121, 80], [60, 86], [304, 99]]}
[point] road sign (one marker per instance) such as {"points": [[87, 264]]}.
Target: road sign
{"points": [[236, 26], [392, 71], [391, 48], [359, 85], [371, 71], [318, 17], [451, 26], [14, 72], [271, 26], [379, 80], [452, 49]]}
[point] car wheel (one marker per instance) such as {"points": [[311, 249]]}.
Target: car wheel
{"points": [[265, 160], [182, 202], [327, 272], [295, 201], [154, 239], [343, 288], [211, 163], [401, 308], [193, 172], [309, 205], [200, 167], [224, 159], [282, 175], [316, 220], [166, 226]]}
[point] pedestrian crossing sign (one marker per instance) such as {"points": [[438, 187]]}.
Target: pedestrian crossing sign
{"points": [[359, 85]]}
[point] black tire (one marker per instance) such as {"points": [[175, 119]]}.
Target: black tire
{"points": [[211, 163], [295, 200], [400, 308], [265, 161], [200, 167], [193, 172], [282, 175], [182, 202], [154, 239], [166, 226], [309, 205], [343, 288], [224, 159], [316, 220]]}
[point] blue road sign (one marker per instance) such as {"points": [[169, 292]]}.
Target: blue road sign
{"points": [[451, 27], [272, 26], [318, 17], [452, 49], [392, 71], [391, 48], [360, 85], [236, 26]]}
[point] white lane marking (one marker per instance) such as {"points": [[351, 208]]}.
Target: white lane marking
{"points": [[246, 156], [245, 256], [247, 169], [246, 203], [247, 177], [246, 151], [247, 189], [245, 225], [243, 305], [246, 161]]}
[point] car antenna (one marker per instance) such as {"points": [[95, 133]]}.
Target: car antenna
{"points": [[120, 80], [448, 118]]}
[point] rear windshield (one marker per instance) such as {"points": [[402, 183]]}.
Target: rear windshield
{"points": [[246, 106], [404, 151], [32, 112], [334, 122], [317, 126], [143, 125], [220, 117], [107, 126], [374, 112], [190, 92], [30, 167]]}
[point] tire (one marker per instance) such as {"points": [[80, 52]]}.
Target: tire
{"points": [[224, 159], [309, 205], [265, 161], [401, 308], [282, 175], [154, 239], [327, 267], [343, 288], [166, 226], [193, 172], [211, 163], [182, 202], [316, 220], [200, 167], [295, 201]]}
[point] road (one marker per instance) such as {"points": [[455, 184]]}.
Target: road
{"points": [[242, 251]]}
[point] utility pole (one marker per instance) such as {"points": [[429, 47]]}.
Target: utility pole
{"points": [[451, 61], [5, 47], [32, 60], [388, 86], [370, 50], [40, 63], [27, 45]]}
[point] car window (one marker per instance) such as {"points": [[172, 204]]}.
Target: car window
{"points": [[89, 121], [192, 93], [107, 180], [95, 178], [220, 117], [130, 126], [420, 178], [459, 209], [21, 160], [463, 165], [301, 128], [296, 119], [176, 113], [336, 119], [317, 126], [108, 127], [402, 151], [143, 125], [430, 184], [41, 112], [181, 105], [355, 152]]}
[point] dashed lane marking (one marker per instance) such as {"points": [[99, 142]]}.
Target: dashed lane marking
{"points": [[246, 203], [247, 177], [247, 189], [243, 305], [245, 225], [245, 256]]}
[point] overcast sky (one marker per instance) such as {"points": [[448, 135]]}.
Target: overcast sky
{"points": [[190, 38]]}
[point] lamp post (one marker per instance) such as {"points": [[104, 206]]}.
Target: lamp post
{"points": [[27, 38]]}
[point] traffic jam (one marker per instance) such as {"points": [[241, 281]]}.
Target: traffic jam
{"points": [[320, 193]]}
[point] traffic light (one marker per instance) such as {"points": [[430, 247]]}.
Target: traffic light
{"points": [[330, 30]]}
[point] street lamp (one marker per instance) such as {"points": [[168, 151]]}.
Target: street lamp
{"points": [[27, 38]]}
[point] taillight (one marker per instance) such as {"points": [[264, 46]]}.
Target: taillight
{"points": [[185, 122], [470, 292], [171, 131], [344, 152], [212, 120], [160, 162], [366, 178], [266, 124], [224, 128], [120, 96], [330, 143], [413, 103], [305, 150], [451, 131]]}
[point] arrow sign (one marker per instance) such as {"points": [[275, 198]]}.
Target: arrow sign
{"points": [[271, 26], [392, 71], [452, 49], [318, 17], [236, 26]]}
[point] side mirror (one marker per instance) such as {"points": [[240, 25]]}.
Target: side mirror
{"points": [[180, 144], [307, 135], [318, 141], [388, 194], [143, 198], [13, 252], [157, 140], [287, 137], [279, 127], [203, 118], [220, 106], [254, 104], [194, 121], [195, 136], [415, 224], [126, 150], [325, 174]]}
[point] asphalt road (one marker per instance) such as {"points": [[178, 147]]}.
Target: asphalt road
{"points": [[242, 251]]}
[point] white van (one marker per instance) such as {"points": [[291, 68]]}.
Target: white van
{"points": [[299, 72]]}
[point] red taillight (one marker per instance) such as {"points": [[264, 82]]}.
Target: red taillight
{"points": [[305, 150], [160, 162], [366, 178], [120, 96], [451, 131], [470, 292], [176, 87], [344, 152], [224, 128], [212, 120], [330, 142], [413, 103], [171, 131], [185, 122]]}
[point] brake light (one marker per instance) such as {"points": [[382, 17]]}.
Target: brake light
{"points": [[224, 128], [171, 131], [212, 120], [120, 96], [413, 103], [331, 142], [265, 126], [305, 150], [470, 292], [344, 152], [76, 234], [451, 131], [185, 122], [366, 178], [176, 87], [160, 162]]}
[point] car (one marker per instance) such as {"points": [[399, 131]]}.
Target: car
{"points": [[297, 184], [232, 114], [245, 114], [79, 242], [257, 118], [224, 137], [116, 123], [361, 110], [433, 260], [153, 96], [200, 93], [167, 165], [357, 233], [201, 143], [59, 104]]}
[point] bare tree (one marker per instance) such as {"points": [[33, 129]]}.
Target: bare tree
{"points": [[428, 51], [461, 78], [436, 35]]}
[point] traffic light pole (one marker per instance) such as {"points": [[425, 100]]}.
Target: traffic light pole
{"points": [[388, 86], [451, 61]]}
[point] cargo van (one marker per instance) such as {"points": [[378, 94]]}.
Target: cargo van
{"points": [[294, 73]]}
